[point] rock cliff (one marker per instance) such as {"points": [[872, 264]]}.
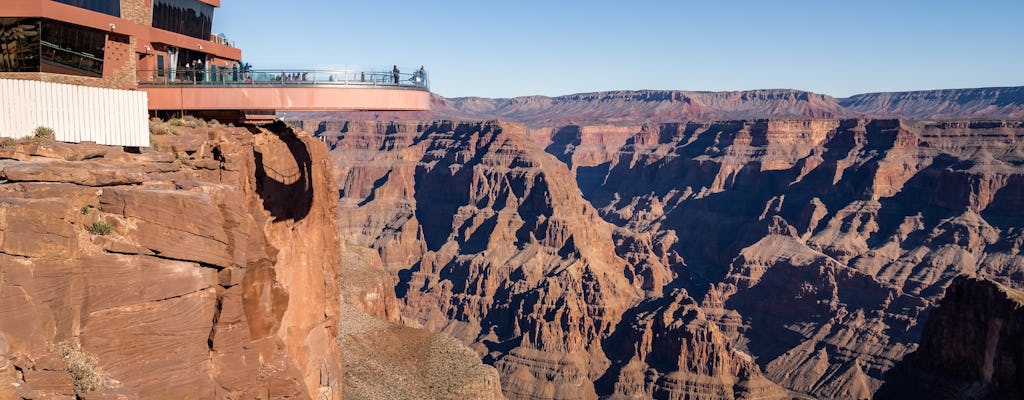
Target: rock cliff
{"points": [[203, 269], [970, 348], [741, 259], [996, 102]]}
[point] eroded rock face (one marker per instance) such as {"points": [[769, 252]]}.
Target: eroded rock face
{"points": [[651, 261], [490, 240], [210, 284], [388, 360], [818, 245], [970, 347]]}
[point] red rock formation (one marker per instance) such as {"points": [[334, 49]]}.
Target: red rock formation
{"points": [[970, 347], [384, 359], [852, 227], [491, 242], [217, 278], [813, 246]]}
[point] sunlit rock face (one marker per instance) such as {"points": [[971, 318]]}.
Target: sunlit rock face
{"points": [[205, 267]]}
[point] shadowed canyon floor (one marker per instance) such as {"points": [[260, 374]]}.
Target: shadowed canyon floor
{"points": [[744, 259]]}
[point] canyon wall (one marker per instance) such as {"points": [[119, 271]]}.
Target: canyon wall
{"points": [[971, 347], [203, 268], [742, 259]]}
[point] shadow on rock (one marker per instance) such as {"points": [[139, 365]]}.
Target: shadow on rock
{"points": [[286, 193]]}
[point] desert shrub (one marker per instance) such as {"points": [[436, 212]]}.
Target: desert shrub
{"points": [[193, 122], [162, 129], [44, 133], [8, 143], [85, 210], [101, 228], [83, 367], [176, 122]]}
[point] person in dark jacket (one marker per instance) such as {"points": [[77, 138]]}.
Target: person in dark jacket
{"points": [[394, 73]]}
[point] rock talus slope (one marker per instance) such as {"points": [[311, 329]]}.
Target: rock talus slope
{"points": [[217, 278]]}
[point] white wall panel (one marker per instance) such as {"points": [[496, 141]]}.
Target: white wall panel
{"points": [[75, 113]]}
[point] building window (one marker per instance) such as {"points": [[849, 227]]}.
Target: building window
{"points": [[42, 45], [19, 45], [109, 7], [187, 17], [72, 49]]}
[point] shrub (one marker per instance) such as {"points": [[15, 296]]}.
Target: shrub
{"points": [[83, 367], [101, 228], [44, 133], [162, 129], [85, 210], [8, 143]]}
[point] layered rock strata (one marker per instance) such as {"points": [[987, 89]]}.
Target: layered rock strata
{"points": [[204, 269], [812, 247], [490, 240], [970, 348]]}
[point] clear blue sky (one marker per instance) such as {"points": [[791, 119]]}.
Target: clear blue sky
{"points": [[511, 48]]}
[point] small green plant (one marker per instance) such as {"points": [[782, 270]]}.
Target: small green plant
{"points": [[44, 133], [177, 122], [83, 367], [85, 210], [101, 228], [8, 143]]}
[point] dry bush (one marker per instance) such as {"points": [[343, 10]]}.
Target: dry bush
{"points": [[83, 367], [44, 133]]}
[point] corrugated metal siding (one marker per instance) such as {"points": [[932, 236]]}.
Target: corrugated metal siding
{"points": [[75, 113]]}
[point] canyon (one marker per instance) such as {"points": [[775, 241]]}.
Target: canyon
{"points": [[770, 244], [753, 258]]}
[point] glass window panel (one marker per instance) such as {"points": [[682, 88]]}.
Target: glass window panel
{"points": [[19, 45], [187, 17], [72, 49], [109, 7]]}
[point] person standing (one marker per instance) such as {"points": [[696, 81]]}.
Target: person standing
{"points": [[394, 73]]}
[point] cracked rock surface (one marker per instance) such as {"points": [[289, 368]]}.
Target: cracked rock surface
{"points": [[217, 278]]}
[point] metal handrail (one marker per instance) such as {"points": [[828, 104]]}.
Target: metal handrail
{"points": [[215, 76]]}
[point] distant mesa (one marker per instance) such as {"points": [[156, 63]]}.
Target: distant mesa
{"points": [[634, 107]]}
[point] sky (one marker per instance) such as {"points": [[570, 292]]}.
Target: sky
{"points": [[511, 48]]}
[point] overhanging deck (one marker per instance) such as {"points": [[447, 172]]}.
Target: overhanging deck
{"points": [[285, 90], [286, 98]]}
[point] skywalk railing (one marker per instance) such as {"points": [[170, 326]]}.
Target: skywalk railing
{"points": [[215, 76]]}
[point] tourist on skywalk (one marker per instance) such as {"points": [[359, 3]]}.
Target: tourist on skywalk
{"points": [[394, 73]]}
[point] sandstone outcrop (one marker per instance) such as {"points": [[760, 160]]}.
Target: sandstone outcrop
{"points": [[970, 347], [206, 269]]}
